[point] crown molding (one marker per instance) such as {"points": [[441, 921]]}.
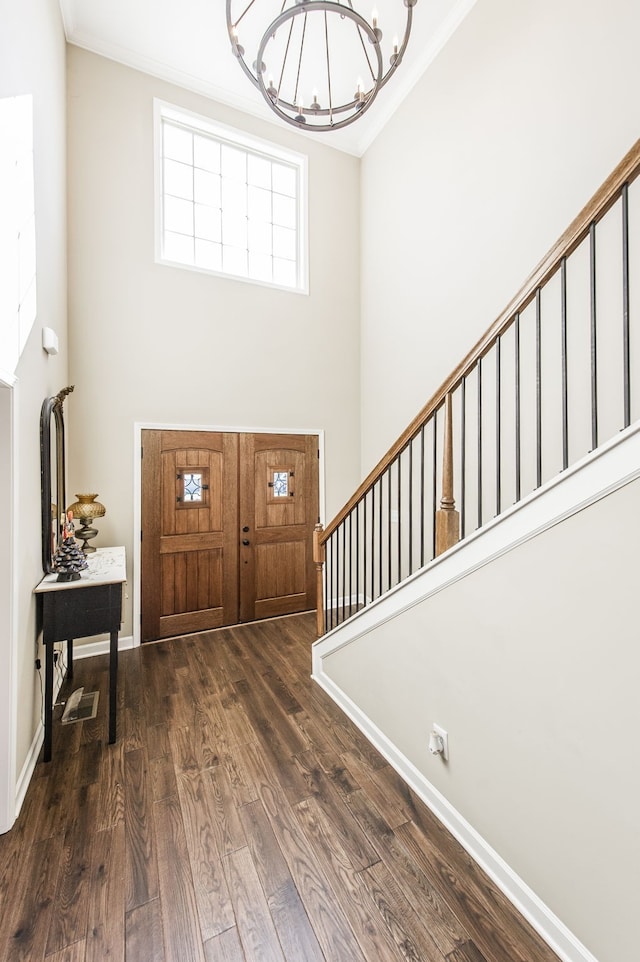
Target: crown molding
{"points": [[355, 140], [407, 77]]}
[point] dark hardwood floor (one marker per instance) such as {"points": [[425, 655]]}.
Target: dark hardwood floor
{"points": [[239, 818]]}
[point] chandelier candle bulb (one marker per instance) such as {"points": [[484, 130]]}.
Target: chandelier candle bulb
{"points": [[237, 48], [377, 32]]}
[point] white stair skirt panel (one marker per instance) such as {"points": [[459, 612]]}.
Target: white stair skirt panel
{"points": [[543, 920], [611, 467]]}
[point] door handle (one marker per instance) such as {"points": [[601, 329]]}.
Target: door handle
{"points": [[245, 541], [246, 528]]}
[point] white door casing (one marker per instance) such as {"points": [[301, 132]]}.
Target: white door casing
{"points": [[8, 606]]}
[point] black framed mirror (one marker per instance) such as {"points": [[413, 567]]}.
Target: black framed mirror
{"points": [[52, 475]]}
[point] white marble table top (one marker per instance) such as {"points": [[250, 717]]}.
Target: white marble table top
{"points": [[107, 566]]}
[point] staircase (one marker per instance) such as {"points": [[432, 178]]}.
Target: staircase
{"points": [[549, 382], [484, 577]]}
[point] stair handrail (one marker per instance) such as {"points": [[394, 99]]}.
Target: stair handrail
{"points": [[625, 173]]}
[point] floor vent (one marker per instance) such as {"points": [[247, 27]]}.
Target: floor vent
{"points": [[80, 706]]}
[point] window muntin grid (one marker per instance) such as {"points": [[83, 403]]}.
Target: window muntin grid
{"points": [[229, 208], [280, 484], [192, 486]]}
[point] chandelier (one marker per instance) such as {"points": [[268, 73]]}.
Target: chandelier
{"points": [[319, 64]]}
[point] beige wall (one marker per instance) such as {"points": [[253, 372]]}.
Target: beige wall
{"points": [[518, 121], [531, 664], [32, 61], [159, 344]]}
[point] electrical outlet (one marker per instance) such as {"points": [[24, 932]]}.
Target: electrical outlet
{"points": [[439, 730]]}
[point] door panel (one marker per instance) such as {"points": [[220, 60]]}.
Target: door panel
{"points": [[227, 528], [278, 511], [189, 524], [279, 570]]}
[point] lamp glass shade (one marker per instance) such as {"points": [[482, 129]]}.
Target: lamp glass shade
{"points": [[86, 508]]}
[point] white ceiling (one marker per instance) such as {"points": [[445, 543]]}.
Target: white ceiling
{"points": [[186, 42]]}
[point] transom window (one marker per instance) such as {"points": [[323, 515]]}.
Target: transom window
{"points": [[228, 203]]}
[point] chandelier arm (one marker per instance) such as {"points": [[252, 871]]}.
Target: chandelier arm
{"points": [[326, 38], [366, 53], [284, 60], [405, 40], [237, 50], [304, 30], [356, 107], [245, 12], [323, 128]]}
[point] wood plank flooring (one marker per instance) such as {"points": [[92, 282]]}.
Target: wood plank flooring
{"points": [[240, 817]]}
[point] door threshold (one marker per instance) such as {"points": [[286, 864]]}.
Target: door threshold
{"points": [[239, 624]]}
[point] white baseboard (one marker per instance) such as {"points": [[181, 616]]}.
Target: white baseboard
{"points": [[28, 768], [101, 647], [554, 932], [31, 760], [79, 652], [347, 602]]}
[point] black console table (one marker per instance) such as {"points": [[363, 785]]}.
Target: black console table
{"points": [[77, 609]]}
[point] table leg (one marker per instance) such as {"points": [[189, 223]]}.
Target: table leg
{"points": [[113, 685], [48, 702], [69, 658]]}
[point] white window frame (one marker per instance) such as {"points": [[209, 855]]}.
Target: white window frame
{"points": [[235, 138]]}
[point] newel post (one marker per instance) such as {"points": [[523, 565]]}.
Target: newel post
{"points": [[447, 518], [318, 560]]}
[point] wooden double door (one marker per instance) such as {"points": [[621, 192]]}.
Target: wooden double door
{"points": [[227, 528]]}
